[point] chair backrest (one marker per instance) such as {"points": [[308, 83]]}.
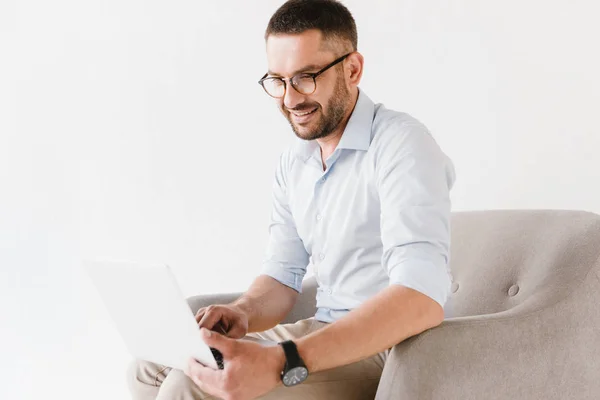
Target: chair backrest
{"points": [[504, 259]]}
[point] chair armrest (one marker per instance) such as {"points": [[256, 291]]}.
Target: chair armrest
{"points": [[548, 353], [305, 306]]}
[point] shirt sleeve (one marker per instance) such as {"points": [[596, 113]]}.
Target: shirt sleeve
{"points": [[286, 258], [414, 178]]}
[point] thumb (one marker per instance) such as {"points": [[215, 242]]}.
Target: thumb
{"points": [[216, 340]]}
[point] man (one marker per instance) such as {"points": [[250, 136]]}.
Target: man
{"points": [[363, 196]]}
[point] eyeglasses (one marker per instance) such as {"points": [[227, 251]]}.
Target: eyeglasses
{"points": [[304, 83]]}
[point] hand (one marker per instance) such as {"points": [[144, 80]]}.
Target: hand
{"points": [[251, 370], [227, 319]]}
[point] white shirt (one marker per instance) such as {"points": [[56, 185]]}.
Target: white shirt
{"points": [[378, 215]]}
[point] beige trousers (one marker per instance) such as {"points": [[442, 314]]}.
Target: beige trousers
{"points": [[357, 381]]}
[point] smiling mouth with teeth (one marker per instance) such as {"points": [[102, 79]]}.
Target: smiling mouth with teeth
{"points": [[301, 114]]}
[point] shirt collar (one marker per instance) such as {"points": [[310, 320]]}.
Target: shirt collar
{"points": [[356, 136]]}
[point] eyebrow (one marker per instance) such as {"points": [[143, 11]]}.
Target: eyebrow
{"points": [[301, 70]]}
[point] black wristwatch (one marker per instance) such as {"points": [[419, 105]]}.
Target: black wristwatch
{"points": [[294, 372]]}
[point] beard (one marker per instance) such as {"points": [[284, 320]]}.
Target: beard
{"points": [[328, 122]]}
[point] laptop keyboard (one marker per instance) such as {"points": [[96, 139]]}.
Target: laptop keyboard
{"points": [[218, 357]]}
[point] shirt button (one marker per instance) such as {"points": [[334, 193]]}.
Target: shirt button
{"points": [[319, 217], [321, 256], [330, 291], [323, 179]]}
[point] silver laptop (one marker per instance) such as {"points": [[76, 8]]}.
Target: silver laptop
{"points": [[151, 313]]}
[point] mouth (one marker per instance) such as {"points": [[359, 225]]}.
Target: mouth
{"points": [[302, 117]]}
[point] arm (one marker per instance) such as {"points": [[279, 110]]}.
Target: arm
{"points": [[391, 316], [413, 180], [266, 303]]}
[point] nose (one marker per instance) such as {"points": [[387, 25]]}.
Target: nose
{"points": [[292, 98]]}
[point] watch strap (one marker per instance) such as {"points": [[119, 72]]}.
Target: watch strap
{"points": [[292, 357]]}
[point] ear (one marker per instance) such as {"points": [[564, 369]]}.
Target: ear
{"points": [[354, 68]]}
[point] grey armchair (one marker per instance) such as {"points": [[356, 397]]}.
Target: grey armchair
{"points": [[523, 319]]}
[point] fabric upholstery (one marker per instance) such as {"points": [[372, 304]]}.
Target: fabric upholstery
{"points": [[527, 321]]}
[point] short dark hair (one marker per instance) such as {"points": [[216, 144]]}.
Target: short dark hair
{"points": [[330, 17]]}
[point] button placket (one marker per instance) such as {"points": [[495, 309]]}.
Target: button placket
{"points": [[319, 228]]}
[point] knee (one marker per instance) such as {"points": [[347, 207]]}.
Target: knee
{"points": [[147, 380], [139, 370], [178, 385]]}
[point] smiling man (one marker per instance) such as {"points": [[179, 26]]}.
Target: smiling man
{"points": [[363, 197]]}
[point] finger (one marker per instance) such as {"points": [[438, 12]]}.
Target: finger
{"points": [[217, 341], [220, 327], [209, 320], [199, 314]]}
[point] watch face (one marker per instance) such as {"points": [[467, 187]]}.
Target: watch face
{"points": [[295, 376]]}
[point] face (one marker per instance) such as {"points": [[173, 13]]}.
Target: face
{"points": [[316, 115]]}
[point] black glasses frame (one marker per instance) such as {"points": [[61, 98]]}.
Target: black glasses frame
{"points": [[313, 75]]}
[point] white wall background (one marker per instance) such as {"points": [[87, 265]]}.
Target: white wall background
{"points": [[136, 130]]}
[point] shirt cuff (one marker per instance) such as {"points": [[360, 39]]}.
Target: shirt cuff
{"points": [[424, 277], [283, 275]]}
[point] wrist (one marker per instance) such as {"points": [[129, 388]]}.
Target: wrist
{"points": [[242, 307], [295, 371], [304, 351], [277, 355]]}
